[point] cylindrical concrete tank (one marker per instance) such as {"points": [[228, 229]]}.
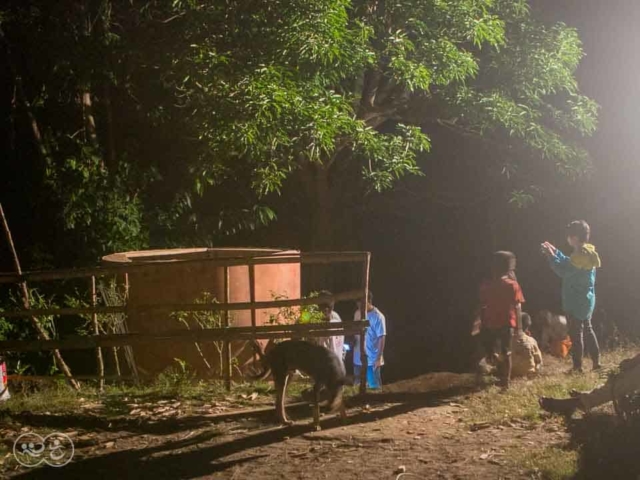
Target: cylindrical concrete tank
{"points": [[167, 281]]}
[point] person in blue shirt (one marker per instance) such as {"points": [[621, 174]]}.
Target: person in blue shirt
{"points": [[374, 344], [578, 274]]}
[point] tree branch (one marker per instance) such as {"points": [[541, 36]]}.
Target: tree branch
{"points": [[369, 90], [35, 129]]}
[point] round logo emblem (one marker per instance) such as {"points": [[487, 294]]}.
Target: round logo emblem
{"points": [[56, 449]]}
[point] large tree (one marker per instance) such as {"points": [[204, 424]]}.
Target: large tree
{"points": [[225, 108], [328, 100]]}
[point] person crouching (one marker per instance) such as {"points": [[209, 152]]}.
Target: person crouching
{"points": [[527, 358]]}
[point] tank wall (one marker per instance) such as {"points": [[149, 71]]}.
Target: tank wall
{"points": [[178, 283]]}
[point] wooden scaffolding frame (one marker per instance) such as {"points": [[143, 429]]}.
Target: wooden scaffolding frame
{"points": [[227, 334]]}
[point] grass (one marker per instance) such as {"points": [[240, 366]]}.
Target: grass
{"points": [[53, 398], [549, 463], [59, 398], [520, 402], [490, 405]]}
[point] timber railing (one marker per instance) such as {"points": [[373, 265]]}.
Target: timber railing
{"points": [[226, 334]]}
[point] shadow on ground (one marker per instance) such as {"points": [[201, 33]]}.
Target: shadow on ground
{"points": [[205, 454], [609, 448]]}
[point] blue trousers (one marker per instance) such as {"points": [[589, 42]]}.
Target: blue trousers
{"points": [[374, 378]]}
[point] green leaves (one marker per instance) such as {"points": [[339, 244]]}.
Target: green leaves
{"points": [[332, 82], [320, 39], [526, 95], [413, 75], [391, 156], [94, 205], [219, 104]]}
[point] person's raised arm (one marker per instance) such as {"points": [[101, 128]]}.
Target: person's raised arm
{"points": [[558, 261]]}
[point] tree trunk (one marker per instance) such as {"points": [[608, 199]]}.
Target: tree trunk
{"points": [[88, 119], [110, 147], [12, 117], [20, 94], [322, 215], [87, 116], [104, 27], [35, 129], [320, 228]]}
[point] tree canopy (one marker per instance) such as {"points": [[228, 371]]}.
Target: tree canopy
{"points": [[188, 121]]}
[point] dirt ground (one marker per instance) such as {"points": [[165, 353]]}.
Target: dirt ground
{"points": [[415, 429], [435, 426]]}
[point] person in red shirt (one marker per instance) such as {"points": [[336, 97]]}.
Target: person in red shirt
{"points": [[500, 309]]}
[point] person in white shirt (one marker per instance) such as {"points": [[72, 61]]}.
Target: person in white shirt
{"points": [[334, 343]]}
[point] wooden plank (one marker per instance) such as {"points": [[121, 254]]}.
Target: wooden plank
{"points": [[185, 307], [38, 312], [214, 334], [303, 258], [55, 378], [250, 412]]}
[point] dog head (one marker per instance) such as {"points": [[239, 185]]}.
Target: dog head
{"points": [[263, 356]]}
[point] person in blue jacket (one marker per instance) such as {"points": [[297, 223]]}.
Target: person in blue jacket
{"points": [[578, 274]]}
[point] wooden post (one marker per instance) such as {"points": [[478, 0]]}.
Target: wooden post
{"points": [[252, 298], [252, 292], [129, 349], [114, 350], [126, 286], [42, 333], [227, 343], [96, 331], [116, 361], [363, 316]]}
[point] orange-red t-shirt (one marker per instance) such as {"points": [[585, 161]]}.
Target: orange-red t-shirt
{"points": [[498, 300]]}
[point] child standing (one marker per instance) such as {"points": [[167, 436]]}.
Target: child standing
{"points": [[500, 308], [578, 274], [374, 344]]}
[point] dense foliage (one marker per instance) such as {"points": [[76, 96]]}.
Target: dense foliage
{"points": [[137, 123]]}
